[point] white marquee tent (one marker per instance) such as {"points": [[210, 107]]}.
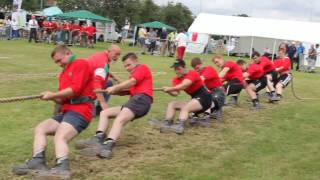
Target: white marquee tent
{"points": [[211, 24], [256, 27]]}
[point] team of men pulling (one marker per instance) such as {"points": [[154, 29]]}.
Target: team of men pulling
{"points": [[81, 78]]}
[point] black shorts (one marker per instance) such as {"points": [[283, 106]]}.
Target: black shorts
{"points": [[233, 86], [284, 79], [259, 83], [218, 97], [274, 75], [139, 104], [205, 99], [73, 118]]}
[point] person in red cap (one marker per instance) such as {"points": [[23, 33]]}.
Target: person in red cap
{"points": [[256, 81], [213, 82], [140, 88], [283, 67], [201, 99], [75, 96], [232, 74]]}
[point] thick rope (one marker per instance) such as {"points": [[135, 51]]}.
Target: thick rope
{"points": [[19, 98], [295, 94], [104, 91]]}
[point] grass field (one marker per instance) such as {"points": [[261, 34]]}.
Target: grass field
{"points": [[282, 141]]}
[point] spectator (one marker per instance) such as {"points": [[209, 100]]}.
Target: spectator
{"points": [[142, 34], [181, 40], [291, 52], [33, 26], [312, 57], [171, 45], [7, 25], [15, 28], [163, 41], [300, 61], [152, 35]]}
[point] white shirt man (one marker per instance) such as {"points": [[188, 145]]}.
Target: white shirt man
{"points": [[181, 40]]}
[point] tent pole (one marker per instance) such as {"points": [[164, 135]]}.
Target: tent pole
{"points": [[134, 35], [274, 48], [229, 46], [252, 39]]}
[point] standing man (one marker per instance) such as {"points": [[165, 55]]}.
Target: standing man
{"points": [[232, 73], [181, 40], [7, 25], [33, 27], [100, 67], [171, 43], [213, 82], [256, 81], [163, 41], [142, 35], [152, 36], [75, 96], [192, 84], [140, 88], [300, 62], [291, 52], [15, 28], [282, 65], [312, 58]]}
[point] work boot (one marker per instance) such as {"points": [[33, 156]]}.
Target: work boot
{"points": [[256, 105], [217, 114], [35, 164], [177, 128], [273, 97], [155, 122], [233, 101], [106, 150], [94, 141], [60, 171]]}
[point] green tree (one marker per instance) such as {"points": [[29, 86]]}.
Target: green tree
{"points": [[149, 11], [177, 15]]}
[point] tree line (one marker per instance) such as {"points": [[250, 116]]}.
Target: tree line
{"points": [[135, 11]]}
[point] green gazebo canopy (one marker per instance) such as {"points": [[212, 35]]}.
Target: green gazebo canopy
{"points": [[157, 24], [82, 14]]}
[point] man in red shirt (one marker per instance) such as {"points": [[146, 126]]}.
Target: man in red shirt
{"points": [[283, 67], [91, 31], [270, 72], [232, 73], [100, 67], [192, 84], [140, 88], [213, 82], [256, 81], [75, 96]]}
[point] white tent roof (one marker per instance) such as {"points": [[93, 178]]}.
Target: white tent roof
{"points": [[256, 27]]}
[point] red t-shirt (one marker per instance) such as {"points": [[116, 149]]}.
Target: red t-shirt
{"points": [[266, 64], [83, 29], [45, 24], [54, 25], [283, 62], [212, 79], [193, 76], [91, 30], [235, 71], [75, 27], [78, 76], [97, 63], [255, 71], [144, 84], [67, 26]]}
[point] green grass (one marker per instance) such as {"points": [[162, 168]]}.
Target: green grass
{"points": [[279, 142]]}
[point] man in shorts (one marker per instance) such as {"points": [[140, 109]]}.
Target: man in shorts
{"points": [[270, 72], [213, 82], [75, 96], [192, 84], [256, 81], [283, 67], [232, 74], [140, 88]]}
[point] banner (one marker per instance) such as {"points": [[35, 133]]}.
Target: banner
{"points": [[17, 3]]}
